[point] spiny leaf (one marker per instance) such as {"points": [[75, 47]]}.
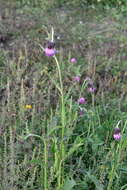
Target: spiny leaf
{"points": [[69, 184], [95, 181]]}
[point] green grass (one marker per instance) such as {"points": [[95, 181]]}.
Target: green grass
{"points": [[49, 145]]}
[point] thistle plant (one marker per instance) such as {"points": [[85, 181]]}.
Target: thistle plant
{"points": [[61, 154]]}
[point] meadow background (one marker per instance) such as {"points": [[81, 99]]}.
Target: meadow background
{"points": [[48, 139]]}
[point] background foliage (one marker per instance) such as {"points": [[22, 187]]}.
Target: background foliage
{"points": [[81, 3]]}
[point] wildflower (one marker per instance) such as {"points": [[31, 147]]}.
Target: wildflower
{"points": [[28, 106], [49, 52], [81, 100], [50, 49], [91, 89], [77, 78], [117, 134], [73, 60]]}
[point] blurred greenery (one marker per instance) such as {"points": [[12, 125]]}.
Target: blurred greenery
{"points": [[121, 5], [59, 3]]}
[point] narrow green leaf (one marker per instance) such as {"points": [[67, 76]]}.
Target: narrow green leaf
{"points": [[73, 149], [54, 129]]}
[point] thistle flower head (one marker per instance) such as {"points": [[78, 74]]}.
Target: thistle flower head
{"points": [[73, 60], [50, 49], [81, 100], [117, 134], [77, 78], [92, 89], [117, 130], [49, 52]]}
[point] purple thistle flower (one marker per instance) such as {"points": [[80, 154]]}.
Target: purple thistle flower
{"points": [[49, 51], [77, 78], [92, 89], [73, 60], [117, 134], [81, 100]]}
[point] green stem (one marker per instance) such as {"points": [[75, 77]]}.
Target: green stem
{"points": [[62, 99], [115, 165], [63, 119], [60, 77], [45, 167], [93, 100]]}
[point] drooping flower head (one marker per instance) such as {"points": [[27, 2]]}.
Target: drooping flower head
{"points": [[50, 49], [81, 100], [117, 134]]}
